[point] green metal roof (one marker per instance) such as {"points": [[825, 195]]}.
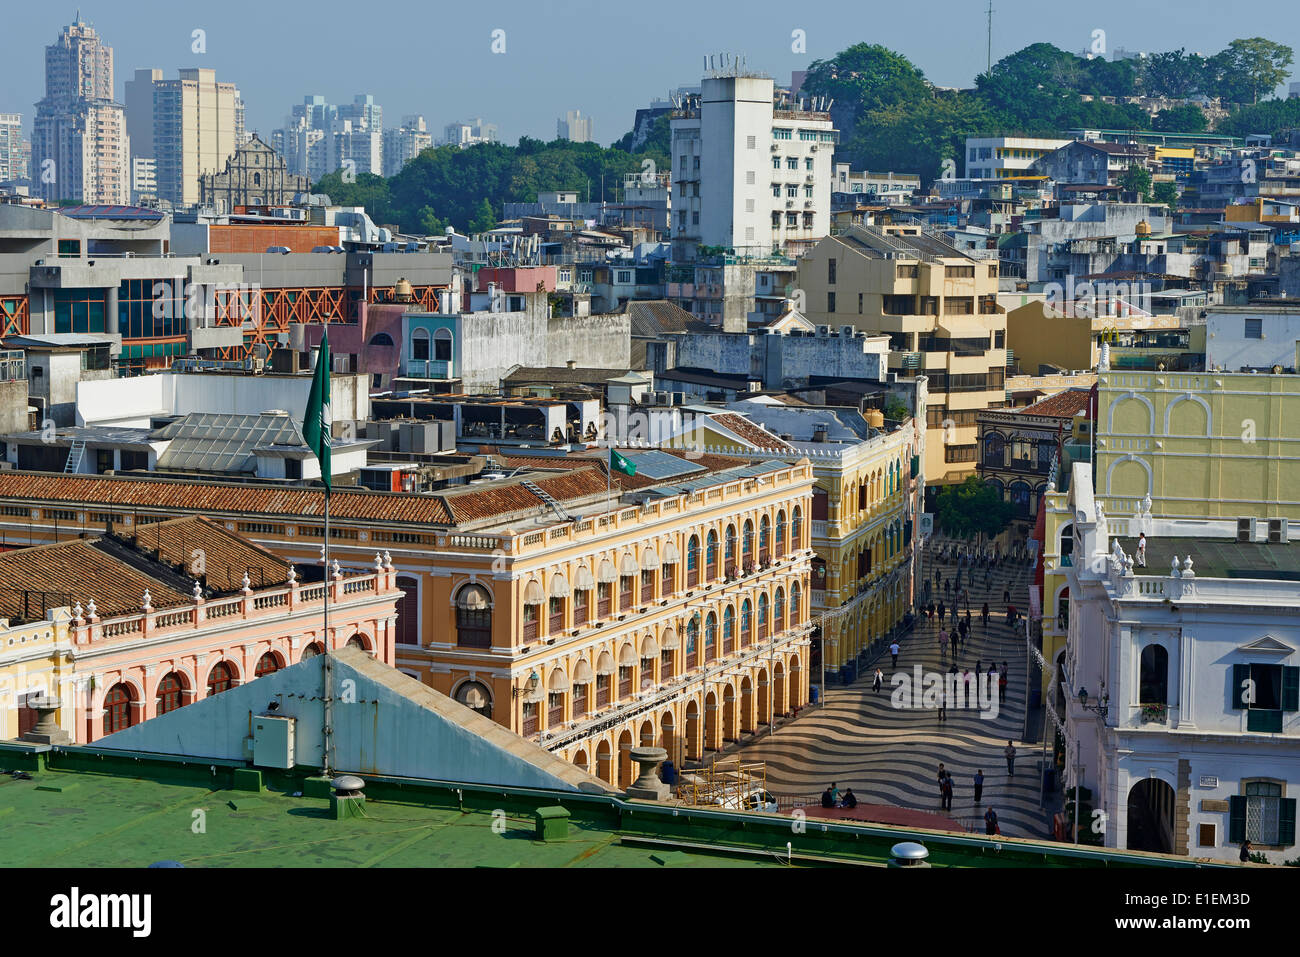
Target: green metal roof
{"points": [[90, 808]]}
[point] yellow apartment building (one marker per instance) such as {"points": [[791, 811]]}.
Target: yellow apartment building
{"points": [[939, 308], [674, 610]]}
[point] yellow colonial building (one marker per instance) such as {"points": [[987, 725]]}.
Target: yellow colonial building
{"points": [[869, 488], [35, 661], [1215, 445], [671, 610]]}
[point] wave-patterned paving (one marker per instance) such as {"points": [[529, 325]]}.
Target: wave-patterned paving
{"points": [[891, 756]]}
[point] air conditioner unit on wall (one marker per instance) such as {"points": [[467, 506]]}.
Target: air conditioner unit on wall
{"points": [[1246, 529], [1278, 530]]}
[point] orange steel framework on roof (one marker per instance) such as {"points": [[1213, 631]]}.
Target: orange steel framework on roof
{"points": [[270, 311]]}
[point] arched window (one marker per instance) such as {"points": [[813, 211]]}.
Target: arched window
{"points": [[420, 345], [442, 345], [730, 552], [744, 622], [359, 642], [693, 643], [474, 617], [728, 630], [778, 610], [711, 637], [762, 617], [794, 603], [312, 650], [1153, 681], [476, 697], [747, 542], [381, 339], [268, 664], [117, 708], [171, 692], [711, 556], [693, 561], [221, 678], [796, 528], [764, 538], [994, 449], [780, 533], [408, 611], [257, 179], [1067, 544], [1020, 498]]}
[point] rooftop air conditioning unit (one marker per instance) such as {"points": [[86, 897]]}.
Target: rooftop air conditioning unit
{"points": [[1278, 529], [1245, 529]]}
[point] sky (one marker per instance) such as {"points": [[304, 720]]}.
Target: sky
{"points": [[605, 59]]}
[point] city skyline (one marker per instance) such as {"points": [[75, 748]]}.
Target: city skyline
{"points": [[501, 85]]}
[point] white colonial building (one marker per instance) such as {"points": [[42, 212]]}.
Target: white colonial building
{"points": [[1194, 660]]}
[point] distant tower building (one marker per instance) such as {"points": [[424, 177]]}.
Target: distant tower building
{"points": [[574, 127], [358, 136], [194, 122], [12, 165], [404, 143], [80, 150], [467, 134]]}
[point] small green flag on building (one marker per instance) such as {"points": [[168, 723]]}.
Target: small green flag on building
{"points": [[316, 423], [619, 464]]}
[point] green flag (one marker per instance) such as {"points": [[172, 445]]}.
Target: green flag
{"points": [[619, 464], [316, 428]]}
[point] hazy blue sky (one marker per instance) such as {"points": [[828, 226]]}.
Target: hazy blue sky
{"points": [[603, 58]]}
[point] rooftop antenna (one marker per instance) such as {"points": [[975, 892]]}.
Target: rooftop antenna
{"points": [[989, 68]]}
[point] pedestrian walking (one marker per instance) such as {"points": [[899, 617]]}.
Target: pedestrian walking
{"points": [[985, 615], [991, 822], [878, 681], [941, 609], [1009, 752], [947, 587], [1002, 684], [1142, 550], [1006, 596], [943, 706], [937, 578], [979, 786], [943, 645], [893, 652], [978, 664], [947, 791]]}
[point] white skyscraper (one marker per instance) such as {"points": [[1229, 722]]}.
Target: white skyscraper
{"points": [[751, 169], [404, 143], [574, 127]]}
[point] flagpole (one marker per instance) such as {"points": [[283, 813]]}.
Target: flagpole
{"points": [[327, 740]]}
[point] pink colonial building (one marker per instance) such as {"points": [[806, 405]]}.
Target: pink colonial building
{"points": [[177, 611]]}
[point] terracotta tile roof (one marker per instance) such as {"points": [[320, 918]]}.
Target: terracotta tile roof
{"points": [[758, 436], [124, 494], [652, 318], [478, 503], [1067, 403], [78, 570], [225, 555]]}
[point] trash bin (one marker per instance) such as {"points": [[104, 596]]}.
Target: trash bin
{"points": [[814, 693]]}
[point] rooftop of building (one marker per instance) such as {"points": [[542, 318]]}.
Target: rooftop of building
{"points": [[1068, 403], [117, 568], [507, 503], [875, 243], [1219, 557], [651, 318]]}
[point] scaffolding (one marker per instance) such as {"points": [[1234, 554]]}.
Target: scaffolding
{"points": [[727, 783]]}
